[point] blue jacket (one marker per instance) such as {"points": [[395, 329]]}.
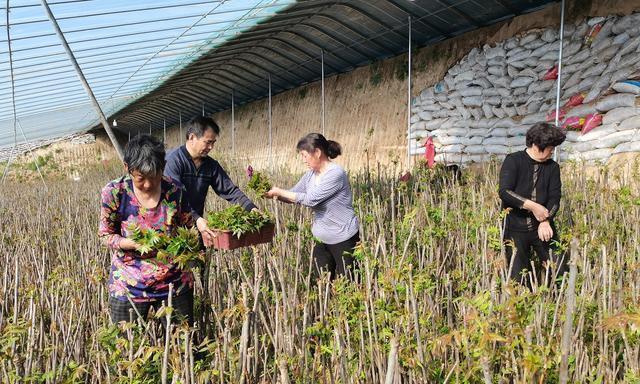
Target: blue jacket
{"points": [[180, 167]]}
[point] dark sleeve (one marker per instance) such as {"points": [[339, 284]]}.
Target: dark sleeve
{"points": [[555, 191], [225, 188], [173, 170], [508, 178]]}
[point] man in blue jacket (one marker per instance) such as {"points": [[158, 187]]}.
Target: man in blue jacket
{"points": [[191, 165]]}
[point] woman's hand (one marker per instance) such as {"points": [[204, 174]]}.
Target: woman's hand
{"points": [[545, 232], [207, 234], [273, 193], [128, 245], [281, 194], [539, 211]]}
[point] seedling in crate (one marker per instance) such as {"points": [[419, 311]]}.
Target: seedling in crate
{"points": [[239, 228], [238, 221]]}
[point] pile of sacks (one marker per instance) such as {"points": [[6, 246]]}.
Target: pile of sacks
{"points": [[486, 102]]}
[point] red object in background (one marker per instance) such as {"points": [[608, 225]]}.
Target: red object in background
{"points": [[591, 121], [591, 35], [574, 100], [551, 116], [574, 122], [405, 177], [551, 74], [430, 152]]}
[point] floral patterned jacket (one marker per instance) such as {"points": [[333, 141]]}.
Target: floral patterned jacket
{"points": [[142, 277]]}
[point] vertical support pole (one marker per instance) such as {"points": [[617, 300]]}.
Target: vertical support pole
{"points": [[409, 102], [129, 135], [322, 86], [83, 80], [164, 131], [559, 86], [233, 126], [203, 109], [149, 128], [180, 127], [270, 132]]}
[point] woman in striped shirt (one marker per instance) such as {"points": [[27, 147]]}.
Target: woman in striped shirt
{"points": [[326, 190]]}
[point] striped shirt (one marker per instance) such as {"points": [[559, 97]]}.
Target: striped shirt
{"points": [[330, 199]]}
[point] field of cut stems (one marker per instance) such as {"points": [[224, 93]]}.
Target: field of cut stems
{"points": [[431, 304]]}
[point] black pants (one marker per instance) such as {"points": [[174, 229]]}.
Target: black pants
{"points": [[182, 308], [337, 259], [521, 246]]}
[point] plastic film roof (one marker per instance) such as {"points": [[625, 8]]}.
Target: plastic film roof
{"points": [[125, 49], [154, 62]]}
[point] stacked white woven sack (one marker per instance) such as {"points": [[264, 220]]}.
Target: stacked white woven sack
{"points": [[487, 101]]}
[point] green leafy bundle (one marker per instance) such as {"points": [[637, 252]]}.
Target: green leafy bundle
{"points": [[181, 247], [238, 221], [259, 183]]}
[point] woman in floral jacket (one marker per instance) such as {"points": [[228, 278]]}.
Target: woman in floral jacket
{"points": [[144, 199]]}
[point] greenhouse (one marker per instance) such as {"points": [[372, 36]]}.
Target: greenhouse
{"points": [[258, 191]]}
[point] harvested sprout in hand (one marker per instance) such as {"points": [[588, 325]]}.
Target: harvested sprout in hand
{"points": [[259, 183], [182, 247], [238, 221]]}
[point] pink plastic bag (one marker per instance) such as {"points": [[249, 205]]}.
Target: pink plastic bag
{"points": [[551, 74], [574, 122], [591, 121], [593, 32], [551, 116], [574, 101], [430, 152]]}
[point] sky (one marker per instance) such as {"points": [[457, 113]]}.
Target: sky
{"points": [[125, 49]]}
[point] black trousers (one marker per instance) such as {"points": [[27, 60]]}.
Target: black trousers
{"points": [[525, 249], [182, 308], [337, 259]]}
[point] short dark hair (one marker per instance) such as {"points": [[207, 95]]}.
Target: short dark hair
{"points": [[545, 135], [199, 124], [145, 154], [314, 141]]}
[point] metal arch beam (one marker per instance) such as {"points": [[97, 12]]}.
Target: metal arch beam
{"points": [[334, 37], [150, 112], [143, 116], [229, 80], [288, 43], [350, 28], [208, 89], [283, 54], [419, 18], [229, 62], [237, 56], [195, 97], [375, 19], [180, 92], [229, 76], [311, 41], [457, 11], [515, 11], [309, 55], [308, 39]]}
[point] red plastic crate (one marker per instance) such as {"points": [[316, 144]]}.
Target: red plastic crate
{"points": [[226, 239]]}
